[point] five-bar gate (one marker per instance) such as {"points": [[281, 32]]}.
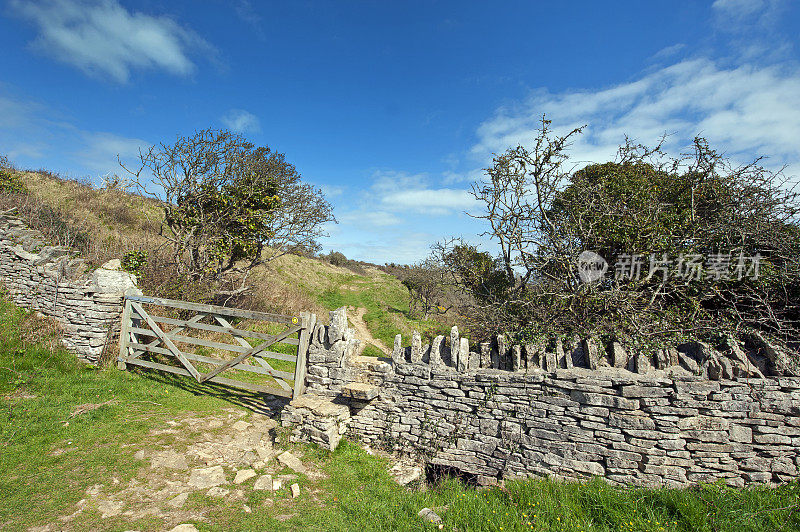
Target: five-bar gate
{"points": [[190, 342]]}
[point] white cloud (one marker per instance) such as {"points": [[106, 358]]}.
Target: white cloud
{"points": [[744, 9], [371, 219], [401, 192], [101, 37], [35, 136], [241, 121], [669, 51], [745, 111], [101, 150], [441, 201], [397, 216]]}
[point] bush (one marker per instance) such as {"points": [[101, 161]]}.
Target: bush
{"points": [[134, 262], [645, 204], [9, 179], [337, 259]]}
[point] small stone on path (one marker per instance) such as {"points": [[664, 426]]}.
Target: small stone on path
{"points": [[276, 484], [244, 475], [295, 490], [216, 491], [247, 509], [242, 425], [169, 459], [207, 477], [139, 455], [185, 527], [292, 462], [179, 500], [263, 483]]}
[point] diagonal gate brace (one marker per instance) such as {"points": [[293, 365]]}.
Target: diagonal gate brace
{"points": [[257, 349], [167, 341]]}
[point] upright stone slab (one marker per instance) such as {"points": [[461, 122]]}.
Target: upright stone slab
{"points": [[463, 355], [338, 325], [474, 360], [643, 364], [437, 346], [516, 358], [551, 359], [486, 355], [591, 352], [503, 359], [455, 345], [619, 358], [397, 352], [416, 348], [531, 357]]}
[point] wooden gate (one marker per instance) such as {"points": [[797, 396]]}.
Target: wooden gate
{"points": [[144, 334]]}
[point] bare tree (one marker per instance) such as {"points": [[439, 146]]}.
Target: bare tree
{"points": [[428, 289]]}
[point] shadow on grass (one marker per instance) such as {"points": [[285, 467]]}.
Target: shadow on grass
{"points": [[266, 404]]}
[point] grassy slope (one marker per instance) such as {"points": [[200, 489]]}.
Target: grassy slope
{"points": [[121, 222], [46, 467]]}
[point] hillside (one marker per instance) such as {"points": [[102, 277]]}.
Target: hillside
{"points": [[115, 222]]}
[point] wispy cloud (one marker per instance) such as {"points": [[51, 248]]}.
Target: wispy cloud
{"points": [[101, 149], [402, 192], [398, 216], [34, 136], [103, 38], [747, 111], [669, 52], [371, 219], [241, 121], [245, 11], [736, 13]]}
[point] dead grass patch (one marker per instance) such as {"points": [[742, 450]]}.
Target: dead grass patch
{"points": [[36, 328]]}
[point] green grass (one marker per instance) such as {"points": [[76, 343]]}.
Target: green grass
{"points": [[359, 495], [48, 460], [385, 300]]}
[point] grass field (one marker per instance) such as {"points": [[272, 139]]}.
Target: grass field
{"points": [[51, 457]]}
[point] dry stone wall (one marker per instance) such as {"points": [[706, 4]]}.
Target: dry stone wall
{"points": [[662, 426], [51, 280]]}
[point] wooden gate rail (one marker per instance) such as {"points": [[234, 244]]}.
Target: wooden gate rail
{"points": [[142, 333]]}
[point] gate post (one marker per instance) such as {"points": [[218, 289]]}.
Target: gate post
{"points": [[124, 335], [302, 350]]}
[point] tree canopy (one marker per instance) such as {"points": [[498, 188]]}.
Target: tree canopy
{"points": [[229, 205]]}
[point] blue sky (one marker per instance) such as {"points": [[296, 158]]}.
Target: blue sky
{"points": [[393, 108]]}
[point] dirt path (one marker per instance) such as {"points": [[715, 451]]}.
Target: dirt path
{"points": [[356, 316], [225, 456]]}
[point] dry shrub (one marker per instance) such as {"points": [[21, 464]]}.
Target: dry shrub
{"points": [[271, 294], [38, 329]]}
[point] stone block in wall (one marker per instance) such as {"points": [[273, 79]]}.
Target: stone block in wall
{"points": [[338, 325]]}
